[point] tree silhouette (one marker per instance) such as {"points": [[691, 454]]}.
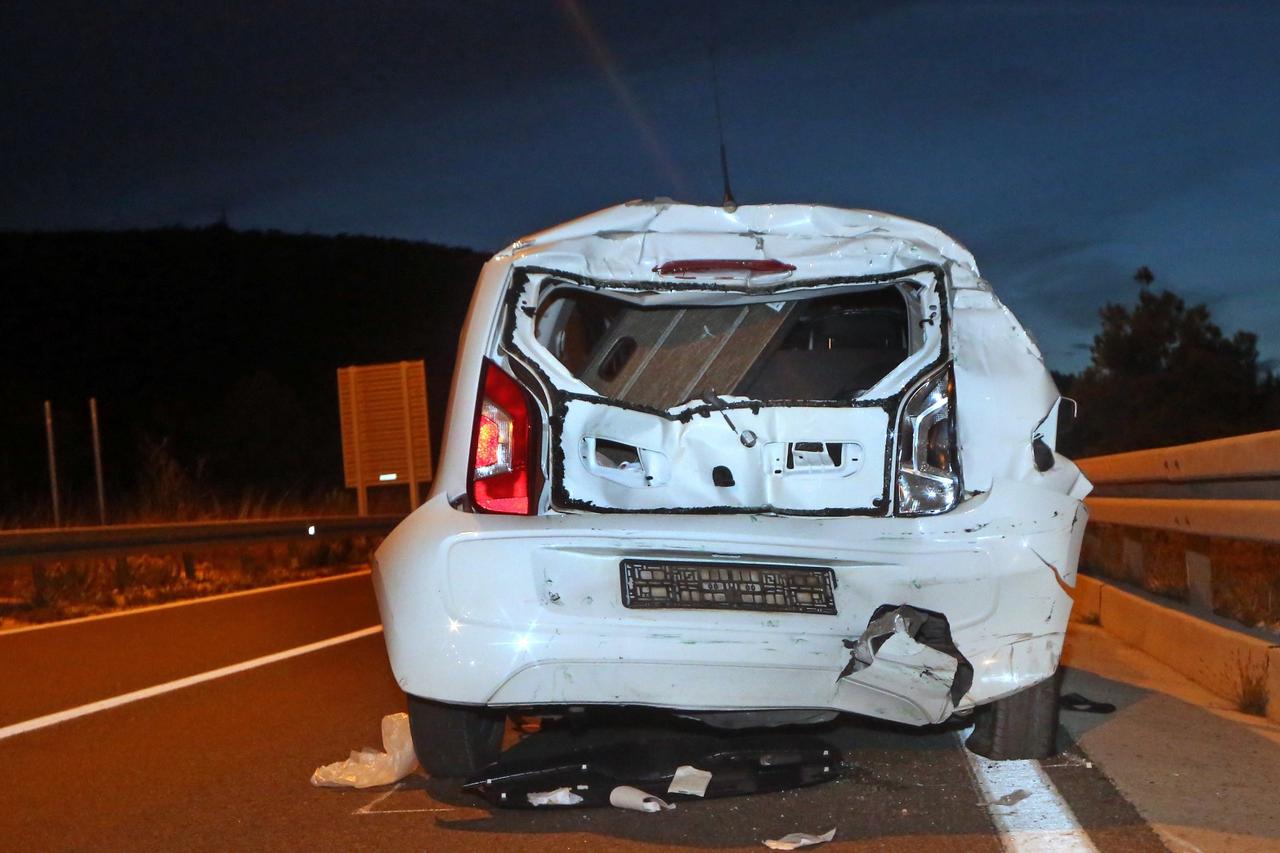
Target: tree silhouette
{"points": [[1164, 373]]}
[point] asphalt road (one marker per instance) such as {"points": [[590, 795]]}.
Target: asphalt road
{"points": [[224, 764]]}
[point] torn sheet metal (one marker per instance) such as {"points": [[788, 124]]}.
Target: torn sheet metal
{"points": [[907, 651], [629, 240], [772, 455], [732, 767]]}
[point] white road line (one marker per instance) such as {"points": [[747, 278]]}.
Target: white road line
{"points": [[169, 686], [1036, 819], [367, 808], [168, 605]]}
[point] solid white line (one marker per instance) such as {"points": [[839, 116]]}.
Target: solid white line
{"points": [[1036, 819], [368, 808], [168, 605], [169, 686]]}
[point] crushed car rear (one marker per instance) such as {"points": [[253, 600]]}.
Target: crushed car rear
{"points": [[756, 467]]}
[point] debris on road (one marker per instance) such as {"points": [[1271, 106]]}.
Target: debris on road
{"points": [[800, 839], [689, 780], [558, 797], [1015, 796], [369, 767], [1076, 702], [684, 766], [633, 799]]}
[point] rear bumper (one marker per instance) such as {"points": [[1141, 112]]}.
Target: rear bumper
{"points": [[514, 611]]}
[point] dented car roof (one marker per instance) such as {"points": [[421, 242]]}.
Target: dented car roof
{"points": [[628, 241]]}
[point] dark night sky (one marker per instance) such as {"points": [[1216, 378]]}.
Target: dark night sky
{"points": [[1066, 144]]}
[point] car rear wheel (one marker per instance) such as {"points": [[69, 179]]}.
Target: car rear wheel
{"points": [[1024, 725], [454, 740]]}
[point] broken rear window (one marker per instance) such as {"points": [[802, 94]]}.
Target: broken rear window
{"points": [[822, 348]]}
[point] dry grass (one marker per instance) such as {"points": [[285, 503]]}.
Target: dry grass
{"points": [[1251, 691], [68, 589]]}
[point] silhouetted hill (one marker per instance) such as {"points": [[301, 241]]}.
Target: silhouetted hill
{"points": [[219, 345]]}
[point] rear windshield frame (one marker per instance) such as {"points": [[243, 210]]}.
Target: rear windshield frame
{"points": [[522, 306]]}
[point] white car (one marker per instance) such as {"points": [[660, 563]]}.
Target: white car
{"points": [[757, 466]]}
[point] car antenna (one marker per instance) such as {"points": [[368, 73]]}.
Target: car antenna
{"points": [[729, 203]]}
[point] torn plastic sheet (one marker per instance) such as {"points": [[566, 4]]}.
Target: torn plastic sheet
{"points": [[735, 766], [368, 767], [903, 646], [795, 840]]}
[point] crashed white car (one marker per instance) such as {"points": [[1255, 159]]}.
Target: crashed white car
{"points": [[757, 466]]}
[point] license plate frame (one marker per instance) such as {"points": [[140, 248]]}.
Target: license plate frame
{"points": [[657, 584]]}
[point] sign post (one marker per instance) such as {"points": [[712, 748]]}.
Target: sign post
{"points": [[53, 463], [97, 460]]}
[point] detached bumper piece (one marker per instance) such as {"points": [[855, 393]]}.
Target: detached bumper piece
{"points": [[908, 652], [728, 586], [740, 765]]}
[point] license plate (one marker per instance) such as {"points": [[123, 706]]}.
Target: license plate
{"points": [[651, 584]]}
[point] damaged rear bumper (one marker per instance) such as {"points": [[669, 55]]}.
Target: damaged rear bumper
{"points": [[932, 614]]}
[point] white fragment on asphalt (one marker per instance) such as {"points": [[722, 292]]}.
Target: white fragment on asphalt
{"points": [[799, 839], [689, 780], [626, 797], [368, 767], [558, 797]]}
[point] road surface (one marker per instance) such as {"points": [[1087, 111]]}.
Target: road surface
{"points": [[196, 727]]}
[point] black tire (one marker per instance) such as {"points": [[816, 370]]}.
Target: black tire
{"points": [[1024, 725], [454, 740]]}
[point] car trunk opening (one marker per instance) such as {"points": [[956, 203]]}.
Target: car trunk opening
{"points": [[825, 348], [707, 400]]}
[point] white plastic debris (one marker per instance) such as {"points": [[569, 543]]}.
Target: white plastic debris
{"points": [[799, 839], [689, 780], [368, 767], [558, 797], [626, 797]]}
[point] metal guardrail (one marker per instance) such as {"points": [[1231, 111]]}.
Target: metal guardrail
{"points": [[27, 546], [1228, 487]]}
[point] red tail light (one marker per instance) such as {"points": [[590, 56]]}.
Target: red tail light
{"points": [[706, 266], [503, 446]]}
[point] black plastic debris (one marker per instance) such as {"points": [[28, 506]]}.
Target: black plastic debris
{"points": [[748, 764], [1076, 702]]}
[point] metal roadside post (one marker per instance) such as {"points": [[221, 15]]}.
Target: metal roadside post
{"points": [[53, 463], [408, 435], [362, 495], [97, 460]]}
